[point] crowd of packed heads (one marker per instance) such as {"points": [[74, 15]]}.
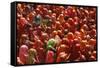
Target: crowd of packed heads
{"points": [[55, 33]]}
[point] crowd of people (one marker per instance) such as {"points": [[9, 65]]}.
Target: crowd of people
{"points": [[55, 33]]}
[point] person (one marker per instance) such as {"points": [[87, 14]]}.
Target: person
{"points": [[23, 54], [50, 56], [32, 56], [51, 44]]}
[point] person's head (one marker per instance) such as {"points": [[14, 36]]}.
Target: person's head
{"points": [[24, 37], [32, 52]]}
